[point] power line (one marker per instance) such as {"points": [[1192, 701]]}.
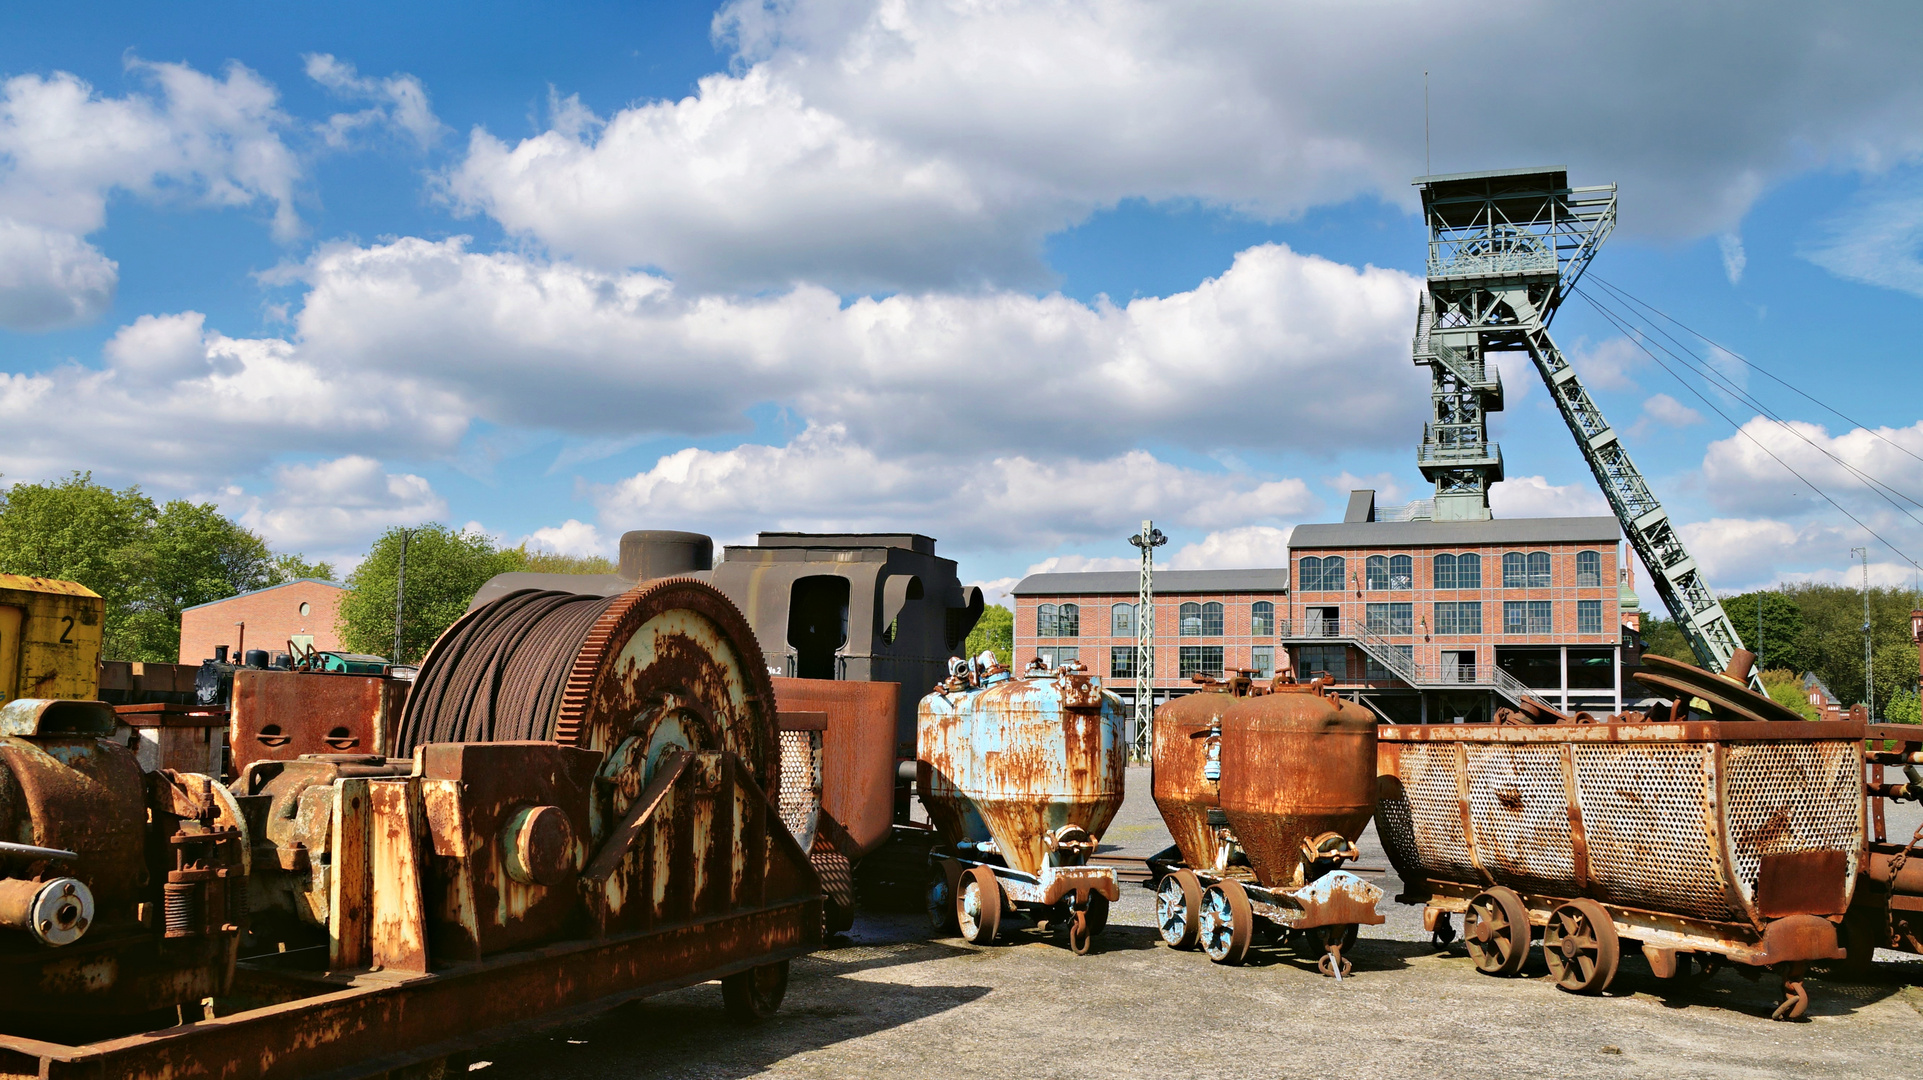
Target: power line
{"points": [[1728, 386], [1629, 332], [1753, 365]]}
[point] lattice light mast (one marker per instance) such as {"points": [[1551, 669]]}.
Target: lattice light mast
{"points": [[1147, 540], [1505, 247]]}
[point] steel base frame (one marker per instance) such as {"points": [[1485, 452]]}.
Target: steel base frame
{"points": [[368, 1023]]}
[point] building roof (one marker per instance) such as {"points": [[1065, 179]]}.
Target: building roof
{"points": [[1126, 582], [271, 588], [1357, 534]]}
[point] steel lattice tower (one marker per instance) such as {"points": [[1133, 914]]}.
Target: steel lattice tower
{"points": [[1148, 540], [1505, 248]]}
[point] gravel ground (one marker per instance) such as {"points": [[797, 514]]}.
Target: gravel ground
{"points": [[888, 1001]]}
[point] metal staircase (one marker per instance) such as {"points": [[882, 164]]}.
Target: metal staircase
{"points": [[1386, 653]]}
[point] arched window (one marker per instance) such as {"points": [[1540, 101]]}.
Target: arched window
{"points": [[1190, 616], [1323, 574], [1375, 572], [1121, 621], [1445, 565], [1468, 571], [1515, 570], [1211, 619], [1402, 572], [1261, 619], [1589, 569], [1309, 577], [1539, 569], [1046, 621], [1068, 622]]}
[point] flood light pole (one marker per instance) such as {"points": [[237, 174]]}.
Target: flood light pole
{"points": [[1147, 540]]}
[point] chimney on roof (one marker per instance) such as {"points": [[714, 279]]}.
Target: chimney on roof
{"points": [[1361, 506]]}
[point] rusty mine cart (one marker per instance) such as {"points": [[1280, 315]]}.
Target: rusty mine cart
{"points": [[1265, 789], [1020, 776], [1733, 838]]}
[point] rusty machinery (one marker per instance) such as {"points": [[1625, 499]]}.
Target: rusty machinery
{"points": [[580, 806], [1733, 838], [857, 778], [1886, 911], [1265, 788], [1020, 777]]}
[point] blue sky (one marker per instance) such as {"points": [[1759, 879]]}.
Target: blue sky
{"points": [[1016, 274]]}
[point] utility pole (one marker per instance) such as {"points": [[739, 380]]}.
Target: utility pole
{"points": [[1147, 540], [400, 595], [1869, 687]]}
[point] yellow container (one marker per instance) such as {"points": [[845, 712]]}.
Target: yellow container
{"points": [[50, 633]]}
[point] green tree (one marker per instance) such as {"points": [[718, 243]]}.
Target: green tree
{"points": [[1785, 687], [191, 554], [147, 562], [445, 568], [1781, 644], [1894, 670], [1904, 709], [77, 530], [551, 562], [1832, 637], [1664, 638], [995, 633], [295, 568]]}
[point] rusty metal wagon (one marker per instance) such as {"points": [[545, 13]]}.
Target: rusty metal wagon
{"points": [[1020, 776], [1265, 789], [1731, 839]]}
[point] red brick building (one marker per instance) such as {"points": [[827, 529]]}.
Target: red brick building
{"points": [[1450, 618], [1205, 621], [1420, 619], [303, 612]]}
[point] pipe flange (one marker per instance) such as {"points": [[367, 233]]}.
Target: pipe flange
{"points": [[56, 912]]}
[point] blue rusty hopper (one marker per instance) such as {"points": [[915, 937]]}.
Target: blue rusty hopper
{"points": [[1018, 758]]}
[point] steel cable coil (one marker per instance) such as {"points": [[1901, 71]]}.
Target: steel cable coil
{"points": [[497, 675]]}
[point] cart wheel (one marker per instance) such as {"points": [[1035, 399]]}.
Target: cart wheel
{"points": [[1795, 997], [978, 906], [1097, 914], [1227, 922], [753, 995], [1495, 929], [941, 904], [1443, 934], [1581, 947], [1178, 907]]}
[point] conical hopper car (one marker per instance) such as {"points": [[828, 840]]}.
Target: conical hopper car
{"points": [[1020, 776], [1265, 789]]}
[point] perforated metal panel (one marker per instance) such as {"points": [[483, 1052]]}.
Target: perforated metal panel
{"points": [[800, 797], [1519, 809], [1784, 797], [1428, 775], [1646, 811], [1662, 829]]}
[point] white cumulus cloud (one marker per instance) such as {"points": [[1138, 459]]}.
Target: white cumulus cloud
{"points": [[338, 505], [899, 144], [65, 149]]}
